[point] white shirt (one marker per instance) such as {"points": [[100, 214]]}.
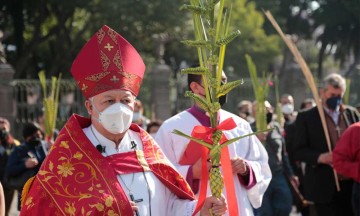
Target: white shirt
{"points": [[163, 201], [334, 114]]}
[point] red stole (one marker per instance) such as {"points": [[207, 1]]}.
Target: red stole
{"points": [[75, 179]]}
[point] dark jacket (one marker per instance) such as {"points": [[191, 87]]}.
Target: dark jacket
{"points": [[17, 158], [276, 149], [309, 143]]}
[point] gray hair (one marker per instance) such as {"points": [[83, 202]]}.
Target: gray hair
{"points": [[335, 80]]}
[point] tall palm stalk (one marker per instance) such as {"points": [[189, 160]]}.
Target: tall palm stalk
{"points": [[51, 103], [211, 31]]}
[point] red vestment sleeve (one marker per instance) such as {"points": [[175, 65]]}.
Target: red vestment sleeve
{"points": [[346, 155]]}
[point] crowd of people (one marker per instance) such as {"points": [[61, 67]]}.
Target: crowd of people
{"points": [[119, 162]]}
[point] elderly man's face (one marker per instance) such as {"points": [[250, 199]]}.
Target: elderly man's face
{"points": [[331, 91], [108, 98]]}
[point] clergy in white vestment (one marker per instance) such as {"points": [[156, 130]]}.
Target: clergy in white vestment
{"points": [[104, 165], [249, 159]]}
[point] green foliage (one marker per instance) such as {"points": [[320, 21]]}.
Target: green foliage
{"points": [[261, 88], [48, 35], [226, 88], [347, 91], [226, 40], [253, 40], [203, 104], [339, 22], [277, 101], [211, 37], [51, 102], [197, 71]]}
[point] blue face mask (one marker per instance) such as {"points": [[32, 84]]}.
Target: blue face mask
{"points": [[334, 102]]}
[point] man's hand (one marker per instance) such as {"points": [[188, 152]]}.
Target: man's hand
{"points": [[133, 206], [196, 169], [217, 206], [49, 143], [295, 180], [325, 158], [239, 166], [262, 136], [31, 162]]}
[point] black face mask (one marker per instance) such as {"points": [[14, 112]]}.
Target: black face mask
{"points": [[222, 99], [334, 102], [269, 117], [3, 135], [35, 141]]}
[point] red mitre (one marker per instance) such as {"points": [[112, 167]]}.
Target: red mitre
{"points": [[106, 62]]}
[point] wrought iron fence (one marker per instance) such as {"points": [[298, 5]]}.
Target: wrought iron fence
{"points": [[28, 97]]}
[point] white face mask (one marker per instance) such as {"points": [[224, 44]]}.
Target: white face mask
{"points": [[116, 118], [136, 116], [287, 109]]}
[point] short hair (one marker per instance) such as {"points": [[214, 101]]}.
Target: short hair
{"points": [[153, 124], [335, 80], [307, 101], [244, 103], [30, 129], [286, 95], [5, 121]]}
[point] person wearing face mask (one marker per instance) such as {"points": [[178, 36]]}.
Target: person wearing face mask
{"points": [[245, 110], [287, 109], [310, 147], [153, 127], [248, 157], [277, 199], [25, 160], [138, 117], [7, 144], [105, 165], [289, 114]]}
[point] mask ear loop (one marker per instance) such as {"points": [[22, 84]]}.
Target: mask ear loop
{"points": [[93, 105]]}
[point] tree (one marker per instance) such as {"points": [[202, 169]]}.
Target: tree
{"points": [[341, 32], [253, 40], [48, 34], [335, 24]]}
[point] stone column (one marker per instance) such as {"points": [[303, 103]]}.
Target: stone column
{"points": [[8, 103], [160, 91], [160, 80]]}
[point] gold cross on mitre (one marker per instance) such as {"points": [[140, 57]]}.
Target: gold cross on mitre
{"points": [[84, 87], [108, 47], [114, 79]]}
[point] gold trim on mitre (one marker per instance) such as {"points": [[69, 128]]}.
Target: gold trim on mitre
{"points": [[100, 35], [117, 60], [129, 76], [105, 61], [97, 77], [112, 34]]}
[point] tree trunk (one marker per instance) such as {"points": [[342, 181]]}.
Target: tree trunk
{"points": [[320, 60]]}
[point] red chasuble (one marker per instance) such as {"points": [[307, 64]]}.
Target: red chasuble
{"points": [[75, 179]]}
